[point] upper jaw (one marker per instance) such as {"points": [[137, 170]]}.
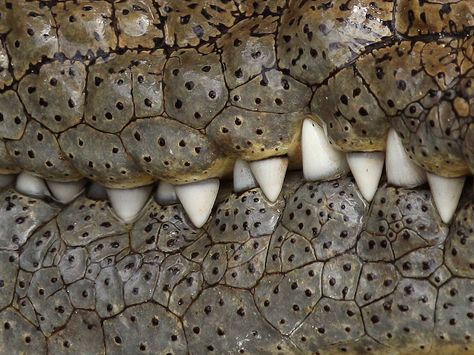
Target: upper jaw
{"points": [[274, 94]]}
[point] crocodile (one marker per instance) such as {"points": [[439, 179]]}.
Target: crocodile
{"points": [[296, 173]]}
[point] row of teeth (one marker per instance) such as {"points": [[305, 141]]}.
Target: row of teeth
{"points": [[321, 161]]}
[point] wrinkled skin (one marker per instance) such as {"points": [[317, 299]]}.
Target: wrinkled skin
{"points": [[176, 91]]}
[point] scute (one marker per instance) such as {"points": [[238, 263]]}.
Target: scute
{"points": [[39, 41], [49, 299], [418, 18], [13, 118], [7, 163], [404, 317], [329, 214], [147, 83], [320, 328], [400, 222], [138, 23], [82, 294], [288, 251], [458, 252], [86, 220], [340, 277], [353, 116], [38, 151], [171, 151], [376, 281], [227, 322], [93, 19], [146, 328], [453, 323], [8, 276], [252, 135], [73, 264], [248, 48], [233, 223], [178, 283], [101, 157], [189, 25], [286, 300], [109, 293], [55, 96], [109, 104], [317, 37], [198, 91], [43, 249], [17, 333], [20, 216], [165, 228], [272, 91], [83, 335]]}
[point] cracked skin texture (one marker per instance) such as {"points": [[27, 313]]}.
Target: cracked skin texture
{"points": [[318, 271], [235, 74], [176, 91]]}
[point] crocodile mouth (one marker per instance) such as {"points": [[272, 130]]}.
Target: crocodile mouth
{"points": [[220, 176]]}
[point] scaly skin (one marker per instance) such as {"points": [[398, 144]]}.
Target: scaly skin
{"points": [[318, 271], [126, 93]]}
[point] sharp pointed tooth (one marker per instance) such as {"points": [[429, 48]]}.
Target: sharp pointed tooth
{"points": [[367, 170], [96, 191], [127, 203], [401, 170], [66, 192], [165, 194], [446, 194], [270, 175], [321, 161], [243, 177], [6, 180], [31, 185], [198, 199]]}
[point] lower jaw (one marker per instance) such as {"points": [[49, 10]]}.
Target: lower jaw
{"points": [[319, 270]]}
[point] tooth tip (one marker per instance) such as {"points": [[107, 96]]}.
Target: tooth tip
{"points": [[367, 171], [270, 175], [401, 170], [321, 161], [127, 203], [446, 193], [29, 184], [198, 199], [243, 177], [65, 192]]}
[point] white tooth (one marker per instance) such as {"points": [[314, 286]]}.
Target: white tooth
{"points": [[243, 178], [96, 191], [270, 175], [127, 203], [65, 192], [401, 170], [6, 180], [446, 194], [321, 161], [367, 170], [197, 199], [165, 194], [31, 185]]}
